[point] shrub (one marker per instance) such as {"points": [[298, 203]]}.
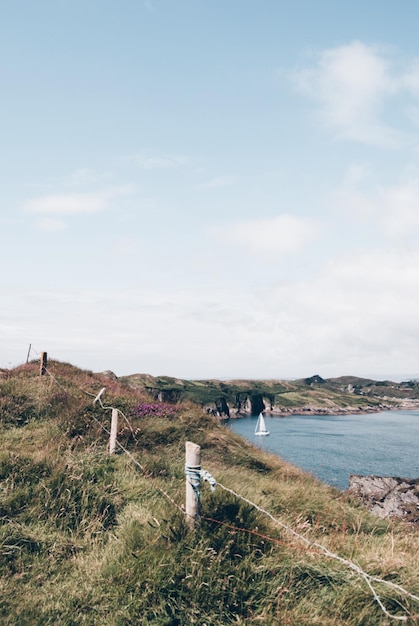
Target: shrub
{"points": [[154, 409]]}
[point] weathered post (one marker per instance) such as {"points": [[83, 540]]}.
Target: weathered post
{"points": [[43, 364], [193, 482], [114, 430]]}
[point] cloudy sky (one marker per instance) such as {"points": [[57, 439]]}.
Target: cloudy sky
{"points": [[211, 188]]}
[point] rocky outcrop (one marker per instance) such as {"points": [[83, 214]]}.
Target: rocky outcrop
{"points": [[249, 408], [249, 404], [388, 496], [332, 409], [314, 395], [169, 396], [109, 374], [219, 408]]}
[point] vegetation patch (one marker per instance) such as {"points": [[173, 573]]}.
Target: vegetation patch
{"points": [[88, 538]]}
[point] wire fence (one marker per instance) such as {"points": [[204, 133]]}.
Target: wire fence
{"points": [[308, 544]]}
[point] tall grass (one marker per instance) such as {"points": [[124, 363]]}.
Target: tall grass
{"points": [[90, 539]]}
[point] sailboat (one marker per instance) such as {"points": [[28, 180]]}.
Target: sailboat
{"points": [[261, 426]]}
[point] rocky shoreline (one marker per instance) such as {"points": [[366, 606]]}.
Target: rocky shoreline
{"points": [[331, 410], [387, 496]]}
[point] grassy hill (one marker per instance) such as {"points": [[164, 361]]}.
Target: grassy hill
{"points": [[234, 397], [87, 538]]}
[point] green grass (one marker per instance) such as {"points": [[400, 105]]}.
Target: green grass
{"points": [[276, 395], [86, 538]]}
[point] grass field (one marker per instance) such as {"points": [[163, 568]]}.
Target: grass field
{"points": [[89, 538]]}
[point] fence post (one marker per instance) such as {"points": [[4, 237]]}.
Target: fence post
{"points": [[43, 364], [114, 430], [193, 482]]}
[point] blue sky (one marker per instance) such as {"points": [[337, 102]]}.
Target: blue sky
{"points": [[211, 188]]}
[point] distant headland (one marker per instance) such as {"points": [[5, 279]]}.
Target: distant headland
{"points": [[314, 395]]}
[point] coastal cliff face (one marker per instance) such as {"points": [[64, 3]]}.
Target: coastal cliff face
{"points": [[250, 407], [388, 497], [314, 395]]}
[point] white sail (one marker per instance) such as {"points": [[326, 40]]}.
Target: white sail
{"points": [[261, 426]]}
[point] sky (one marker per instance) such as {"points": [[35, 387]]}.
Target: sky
{"points": [[211, 188]]}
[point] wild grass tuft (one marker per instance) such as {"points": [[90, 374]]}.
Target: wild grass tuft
{"points": [[89, 539]]}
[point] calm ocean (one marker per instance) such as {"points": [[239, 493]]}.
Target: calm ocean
{"points": [[333, 447]]}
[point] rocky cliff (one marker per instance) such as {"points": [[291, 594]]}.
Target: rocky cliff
{"points": [[388, 496], [314, 395]]}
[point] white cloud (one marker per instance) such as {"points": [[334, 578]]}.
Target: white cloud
{"points": [[351, 83], [280, 235], [219, 181], [50, 208], [399, 208], [358, 315], [392, 210], [410, 78], [368, 308], [351, 197], [125, 247], [51, 225], [82, 176], [66, 204], [146, 162]]}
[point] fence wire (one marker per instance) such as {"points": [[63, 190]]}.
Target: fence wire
{"points": [[369, 579]]}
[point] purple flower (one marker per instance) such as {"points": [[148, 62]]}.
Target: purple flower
{"points": [[154, 409]]}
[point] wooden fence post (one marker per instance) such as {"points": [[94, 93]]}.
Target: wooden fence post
{"points": [[43, 364], [193, 481], [114, 430]]}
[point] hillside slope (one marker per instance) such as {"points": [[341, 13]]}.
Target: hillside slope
{"points": [[88, 538], [347, 394]]}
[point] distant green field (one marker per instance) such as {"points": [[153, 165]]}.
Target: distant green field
{"points": [[238, 396]]}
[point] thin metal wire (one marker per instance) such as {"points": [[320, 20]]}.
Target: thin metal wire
{"points": [[332, 555], [367, 577], [120, 446], [250, 531], [142, 468]]}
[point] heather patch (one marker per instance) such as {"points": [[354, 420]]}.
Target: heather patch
{"points": [[154, 409]]}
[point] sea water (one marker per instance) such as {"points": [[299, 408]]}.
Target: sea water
{"points": [[333, 447]]}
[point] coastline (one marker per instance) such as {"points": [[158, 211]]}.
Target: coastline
{"points": [[404, 405]]}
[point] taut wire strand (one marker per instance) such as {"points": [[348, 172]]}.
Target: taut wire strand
{"points": [[194, 474], [332, 555]]}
